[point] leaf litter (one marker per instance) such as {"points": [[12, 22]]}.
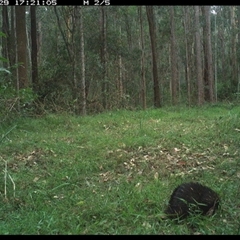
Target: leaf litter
{"points": [[156, 162]]}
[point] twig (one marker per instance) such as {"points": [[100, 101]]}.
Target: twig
{"points": [[5, 180], [11, 107], [7, 133], [13, 185]]}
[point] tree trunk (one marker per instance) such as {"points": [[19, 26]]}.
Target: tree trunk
{"points": [[208, 62], [103, 53], [5, 39], [143, 80], [34, 50], [233, 50], [198, 58], [22, 81], [12, 45], [187, 50], [73, 22], [83, 84], [120, 73], [65, 38], [174, 67], [222, 57], [215, 57], [238, 47], [152, 31]]}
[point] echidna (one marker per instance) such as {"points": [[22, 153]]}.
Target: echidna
{"points": [[192, 198]]}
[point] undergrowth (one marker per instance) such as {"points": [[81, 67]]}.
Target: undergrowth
{"points": [[113, 173]]}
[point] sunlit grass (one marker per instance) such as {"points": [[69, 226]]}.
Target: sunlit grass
{"points": [[113, 173]]}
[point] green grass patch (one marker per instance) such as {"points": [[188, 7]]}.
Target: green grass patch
{"points": [[113, 173]]}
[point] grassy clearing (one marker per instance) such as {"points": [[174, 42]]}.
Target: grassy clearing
{"points": [[113, 173]]}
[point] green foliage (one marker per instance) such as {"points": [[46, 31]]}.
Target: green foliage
{"points": [[4, 70], [2, 34], [113, 173], [15, 103]]}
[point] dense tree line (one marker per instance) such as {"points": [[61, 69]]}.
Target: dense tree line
{"points": [[89, 59]]}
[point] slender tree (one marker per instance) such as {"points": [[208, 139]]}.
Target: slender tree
{"points": [[120, 73], [215, 58], [238, 47], [12, 44], [22, 81], [198, 57], [208, 61], [73, 25], [153, 38], [174, 65], [64, 35], [34, 50], [143, 80], [233, 57], [187, 51], [82, 54], [5, 38], [103, 56]]}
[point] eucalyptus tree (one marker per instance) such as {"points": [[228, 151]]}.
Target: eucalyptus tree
{"points": [[153, 37], [21, 53], [143, 77], [174, 65], [5, 35], [188, 50], [34, 48], [208, 58], [199, 73]]}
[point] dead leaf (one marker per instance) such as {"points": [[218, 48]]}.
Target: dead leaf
{"points": [[156, 176], [30, 157], [58, 197], [225, 147], [181, 163], [36, 179], [137, 185], [146, 225], [176, 150]]}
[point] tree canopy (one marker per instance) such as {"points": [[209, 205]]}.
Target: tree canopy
{"points": [[90, 59]]}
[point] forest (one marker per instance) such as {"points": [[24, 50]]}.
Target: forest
{"points": [[91, 59], [106, 110]]}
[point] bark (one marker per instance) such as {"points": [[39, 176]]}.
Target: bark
{"points": [[152, 32], [103, 53], [174, 67], [12, 44], [21, 40], [187, 51], [238, 47], [198, 57], [120, 73], [208, 68], [233, 49], [143, 80], [5, 39], [34, 50], [65, 39], [82, 54]]}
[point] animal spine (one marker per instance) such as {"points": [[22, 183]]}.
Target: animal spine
{"points": [[192, 198]]}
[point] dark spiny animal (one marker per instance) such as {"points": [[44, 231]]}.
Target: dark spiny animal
{"points": [[192, 198]]}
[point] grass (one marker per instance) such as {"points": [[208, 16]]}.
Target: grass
{"points": [[113, 173]]}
